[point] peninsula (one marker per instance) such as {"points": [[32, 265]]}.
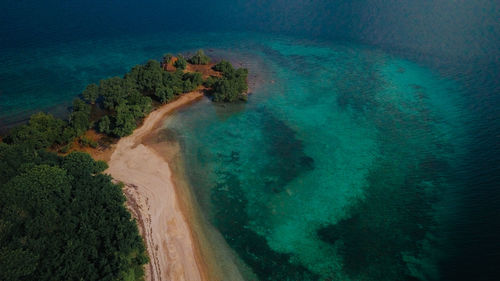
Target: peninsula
{"points": [[111, 122]]}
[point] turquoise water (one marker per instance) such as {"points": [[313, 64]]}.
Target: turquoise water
{"points": [[336, 168], [50, 76], [339, 167], [348, 162]]}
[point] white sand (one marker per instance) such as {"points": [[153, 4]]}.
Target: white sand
{"points": [[153, 200]]}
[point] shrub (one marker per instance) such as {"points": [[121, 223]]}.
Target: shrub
{"points": [[232, 86], [84, 141], [63, 220], [104, 125], [199, 58], [180, 63], [91, 93], [42, 131], [167, 58], [223, 66]]}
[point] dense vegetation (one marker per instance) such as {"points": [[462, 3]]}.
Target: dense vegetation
{"points": [[123, 101], [180, 63], [129, 99], [232, 86], [167, 58], [199, 58], [61, 219]]}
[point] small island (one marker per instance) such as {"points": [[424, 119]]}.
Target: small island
{"points": [[117, 105], [62, 211]]}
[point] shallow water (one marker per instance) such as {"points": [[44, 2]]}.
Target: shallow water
{"points": [[346, 163], [336, 167]]}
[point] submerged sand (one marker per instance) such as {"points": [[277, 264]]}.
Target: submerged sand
{"points": [[181, 245], [154, 202]]}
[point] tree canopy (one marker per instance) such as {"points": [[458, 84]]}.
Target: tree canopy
{"points": [[126, 100], [199, 58], [223, 66], [232, 85], [61, 219], [79, 118], [42, 131], [180, 63], [167, 58], [91, 93]]}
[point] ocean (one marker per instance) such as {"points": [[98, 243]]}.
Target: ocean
{"points": [[368, 148]]}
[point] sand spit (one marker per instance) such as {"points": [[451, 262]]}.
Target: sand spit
{"points": [[154, 202]]}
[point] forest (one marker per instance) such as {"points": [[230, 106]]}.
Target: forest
{"points": [[116, 105], [61, 218], [232, 86]]}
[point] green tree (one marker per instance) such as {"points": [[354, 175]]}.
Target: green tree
{"points": [[151, 77], [199, 58], [225, 91], [125, 121], [167, 58], [61, 219], [31, 219], [142, 104], [80, 105], [104, 125], [224, 66], [165, 94], [187, 86], [210, 81], [114, 91], [133, 77], [80, 164], [233, 84], [181, 62], [42, 131], [79, 119], [91, 93], [68, 134], [173, 80], [194, 77]]}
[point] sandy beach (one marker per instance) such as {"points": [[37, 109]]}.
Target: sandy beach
{"points": [[181, 244], [153, 201]]}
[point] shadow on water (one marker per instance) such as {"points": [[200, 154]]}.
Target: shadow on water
{"points": [[286, 161], [286, 151], [253, 154], [390, 231], [357, 85], [385, 228], [232, 220]]}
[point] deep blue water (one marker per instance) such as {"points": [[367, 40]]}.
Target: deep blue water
{"points": [[436, 61]]}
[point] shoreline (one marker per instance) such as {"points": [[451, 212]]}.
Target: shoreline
{"points": [[214, 253], [155, 201], [180, 242]]}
